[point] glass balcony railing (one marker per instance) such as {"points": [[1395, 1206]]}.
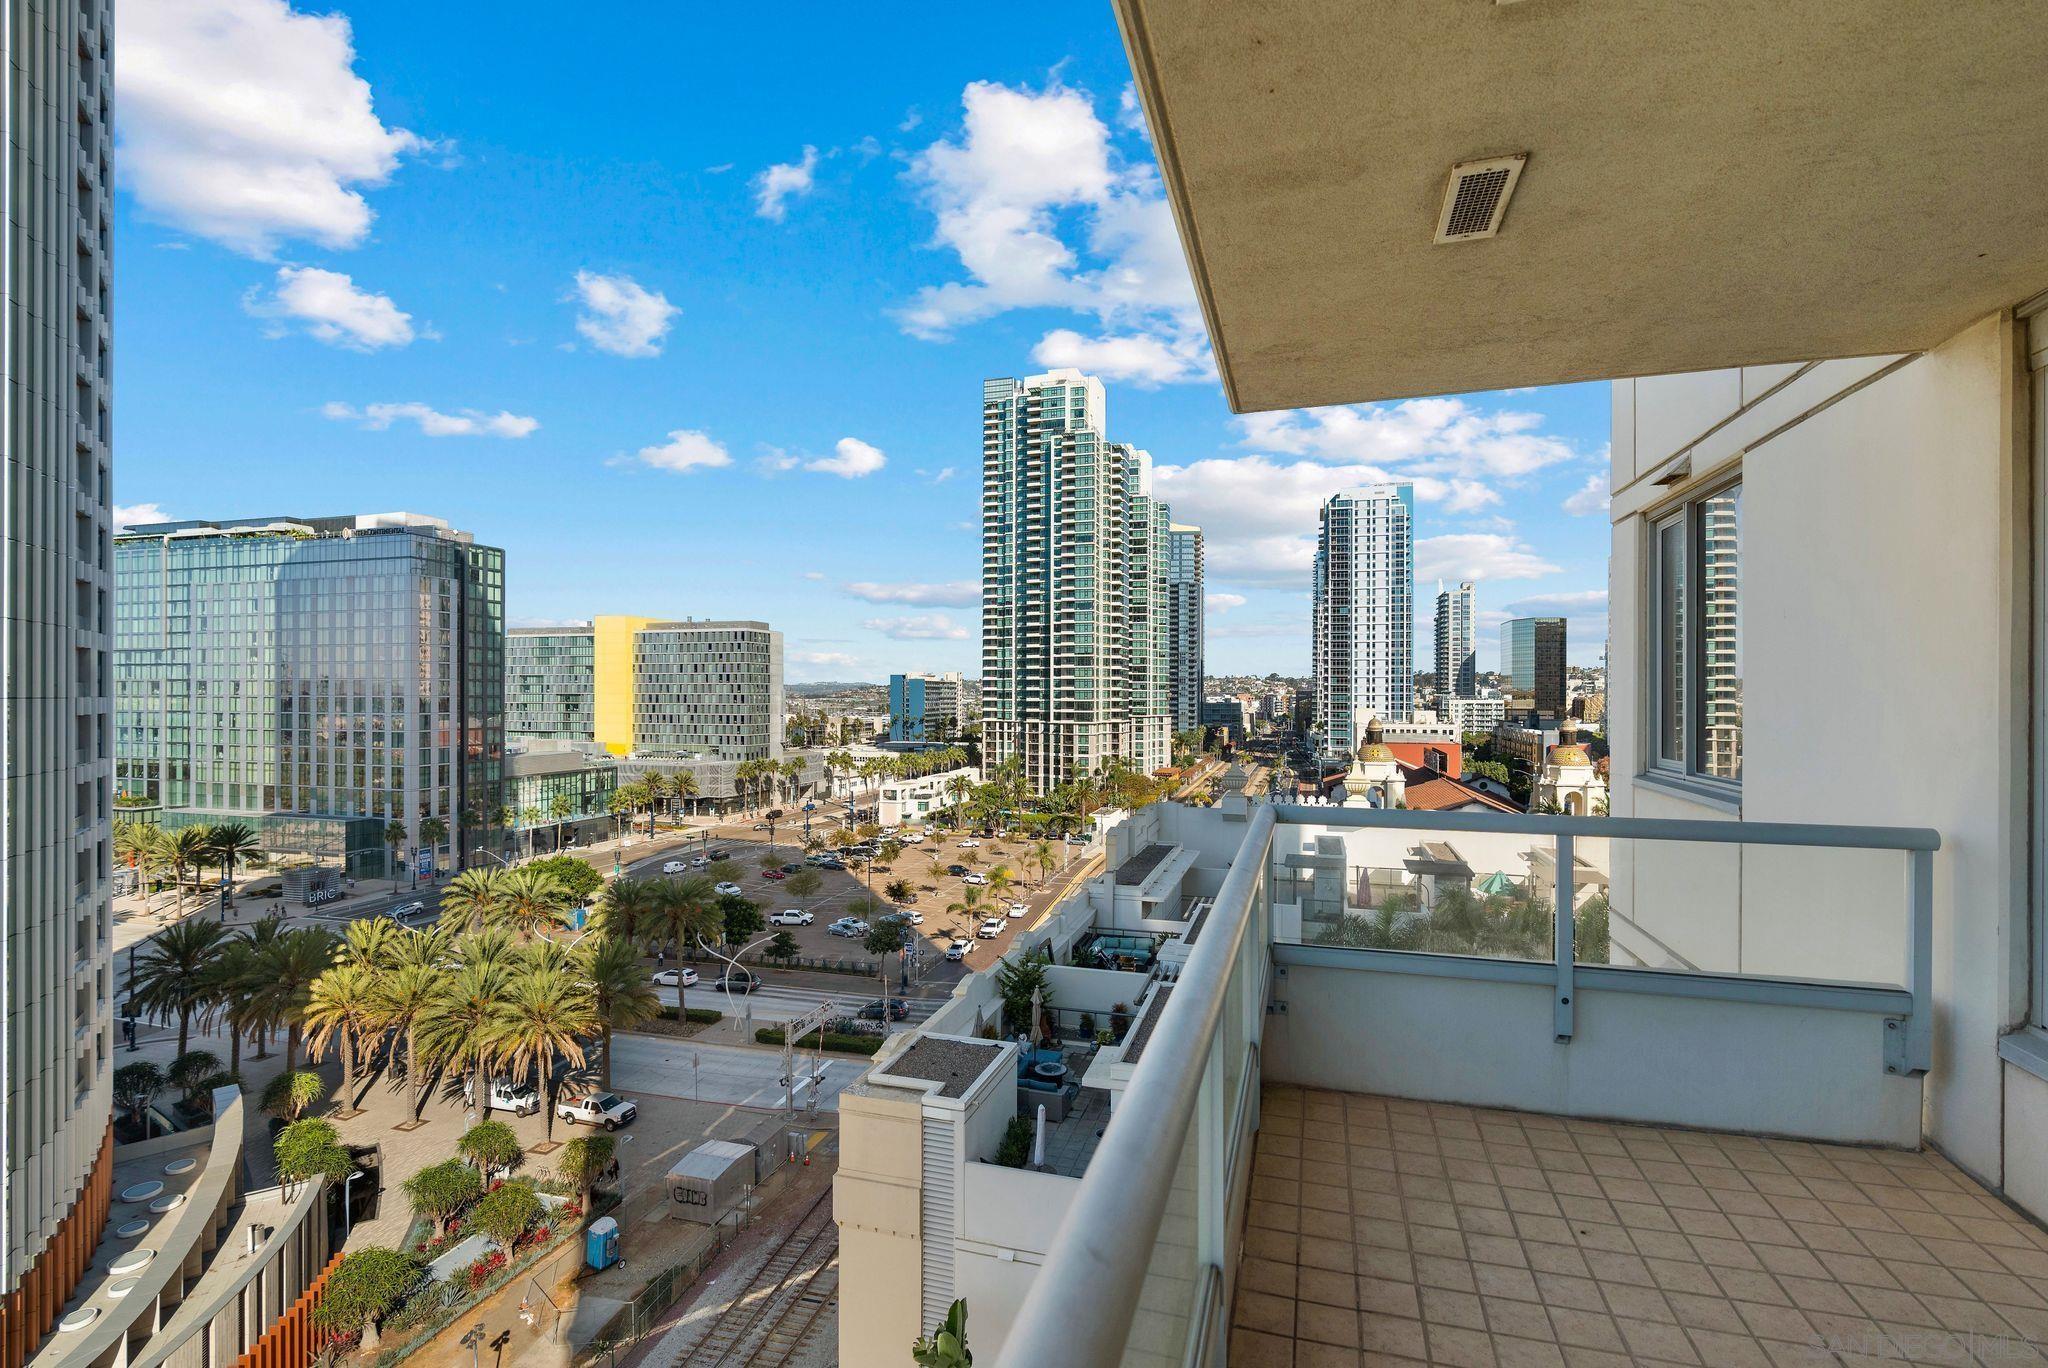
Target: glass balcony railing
{"points": [[1522, 906]]}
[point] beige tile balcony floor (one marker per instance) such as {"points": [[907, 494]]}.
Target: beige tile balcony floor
{"points": [[1385, 1231]]}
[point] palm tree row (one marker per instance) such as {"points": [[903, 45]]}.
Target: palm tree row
{"points": [[151, 851], [252, 982], [651, 793]]}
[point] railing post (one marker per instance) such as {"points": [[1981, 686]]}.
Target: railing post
{"points": [[1914, 1053], [1561, 1002]]}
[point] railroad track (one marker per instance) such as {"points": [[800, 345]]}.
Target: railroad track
{"points": [[791, 1333], [742, 1330]]}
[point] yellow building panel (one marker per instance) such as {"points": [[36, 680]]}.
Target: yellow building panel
{"points": [[612, 684]]}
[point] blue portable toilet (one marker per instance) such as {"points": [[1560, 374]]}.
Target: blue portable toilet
{"points": [[601, 1243], [577, 916]]}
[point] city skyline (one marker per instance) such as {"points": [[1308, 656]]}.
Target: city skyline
{"points": [[677, 339]]}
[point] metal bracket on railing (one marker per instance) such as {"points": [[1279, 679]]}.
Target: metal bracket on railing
{"points": [[1561, 1000], [1895, 1033]]}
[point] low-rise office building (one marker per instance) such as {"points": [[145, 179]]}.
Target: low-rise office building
{"points": [[559, 797], [915, 800], [927, 707]]}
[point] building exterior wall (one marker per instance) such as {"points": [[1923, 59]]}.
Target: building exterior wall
{"points": [[55, 1091], [335, 667], [1363, 613], [912, 800], [613, 676], [551, 683], [1186, 624], [926, 707], [1457, 662], [587, 789], [708, 689], [1857, 476], [1059, 662], [1532, 657]]}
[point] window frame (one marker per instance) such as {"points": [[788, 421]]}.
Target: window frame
{"points": [[1685, 770]]}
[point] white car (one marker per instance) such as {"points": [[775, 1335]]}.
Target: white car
{"points": [[1019, 909], [701, 862], [912, 838], [905, 914], [991, 928], [520, 1099], [970, 844], [676, 978], [959, 950], [791, 916], [848, 926], [974, 878], [674, 867], [727, 890]]}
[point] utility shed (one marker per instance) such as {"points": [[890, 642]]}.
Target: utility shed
{"points": [[707, 1182]]}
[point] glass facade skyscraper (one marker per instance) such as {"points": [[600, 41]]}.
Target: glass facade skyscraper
{"points": [[1185, 630], [1363, 620], [307, 673], [1073, 596], [551, 683], [1532, 658], [1457, 660], [926, 707]]}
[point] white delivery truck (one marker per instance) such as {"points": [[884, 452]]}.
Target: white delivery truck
{"points": [[710, 1180]]}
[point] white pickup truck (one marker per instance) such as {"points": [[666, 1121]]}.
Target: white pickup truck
{"points": [[597, 1109]]}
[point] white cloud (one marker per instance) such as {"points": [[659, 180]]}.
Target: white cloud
{"points": [[775, 460], [620, 315], [814, 574], [330, 306], [432, 422], [939, 476], [1478, 556], [685, 450], [954, 594], [1130, 114], [1565, 604], [546, 622], [918, 627], [1223, 603], [134, 515], [775, 187], [854, 460], [1448, 438], [243, 121], [1591, 497], [1041, 212], [840, 658], [1140, 358]]}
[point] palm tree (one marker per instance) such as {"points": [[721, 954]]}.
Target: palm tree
{"points": [[620, 995], [395, 836], [583, 1161], [289, 967], [173, 974], [340, 1008], [683, 786], [228, 988], [1042, 856], [230, 843], [622, 804], [455, 1026], [687, 909], [529, 900], [529, 818], [625, 909], [999, 879], [545, 1014], [560, 808], [654, 790], [837, 762], [187, 848], [471, 898], [433, 835], [143, 848], [403, 997], [371, 942]]}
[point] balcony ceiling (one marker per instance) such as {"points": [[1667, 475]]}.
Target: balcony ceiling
{"points": [[1708, 185]]}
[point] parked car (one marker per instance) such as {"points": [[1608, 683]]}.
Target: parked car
{"points": [[774, 875], [791, 868], [912, 838], [958, 871], [991, 928], [909, 895], [973, 878], [895, 1009], [1019, 909], [905, 914], [727, 890], [735, 983], [700, 862], [829, 863], [760, 826], [711, 855], [684, 977], [959, 950], [674, 867], [597, 1109], [521, 1099], [970, 844], [791, 916], [852, 927]]}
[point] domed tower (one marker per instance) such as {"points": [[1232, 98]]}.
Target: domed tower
{"points": [[1569, 781], [1375, 778]]}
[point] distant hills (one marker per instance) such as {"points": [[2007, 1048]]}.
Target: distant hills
{"points": [[828, 687]]}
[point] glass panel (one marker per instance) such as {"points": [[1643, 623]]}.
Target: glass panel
{"points": [[1670, 566], [1447, 893], [1163, 1321], [1720, 532]]}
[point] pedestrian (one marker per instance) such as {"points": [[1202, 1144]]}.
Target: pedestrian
{"points": [[660, 957]]}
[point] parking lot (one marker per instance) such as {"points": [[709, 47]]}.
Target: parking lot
{"points": [[924, 866]]}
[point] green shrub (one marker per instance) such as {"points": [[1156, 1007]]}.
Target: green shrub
{"points": [[580, 879], [845, 1044], [507, 1212], [703, 1016], [1015, 1149], [367, 1284], [440, 1191], [306, 1149]]}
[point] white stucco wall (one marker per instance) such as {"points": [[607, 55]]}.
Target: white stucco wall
{"points": [[1883, 653]]}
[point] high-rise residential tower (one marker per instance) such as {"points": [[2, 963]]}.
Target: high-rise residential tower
{"points": [[55, 1090], [1073, 671], [926, 707], [1457, 663], [1364, 612], [1184, 624], [1532, 658], [550, 684], [318, 679], [708, 689]]}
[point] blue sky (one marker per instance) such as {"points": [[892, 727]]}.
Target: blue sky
{"points": [[689, 311]]}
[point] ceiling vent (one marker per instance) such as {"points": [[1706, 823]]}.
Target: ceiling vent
{"points": [[1477, 198]]}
